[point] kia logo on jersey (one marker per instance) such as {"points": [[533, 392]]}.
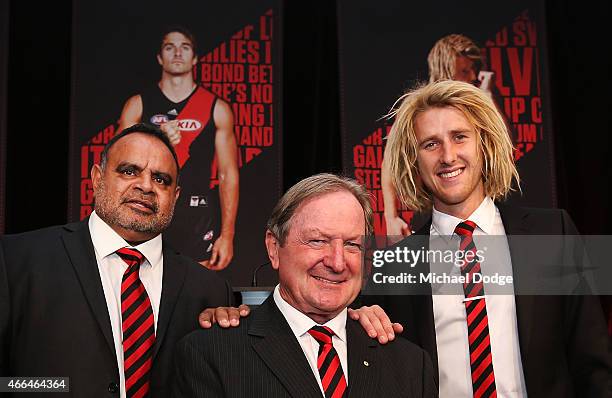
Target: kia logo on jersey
{"points": [[159, 119], [189, 124]]}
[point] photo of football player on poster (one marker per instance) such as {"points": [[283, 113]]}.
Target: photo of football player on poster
{"points": [[207, 77], [201, 127]]}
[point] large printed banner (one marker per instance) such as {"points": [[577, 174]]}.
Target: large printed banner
{"points": [[506, 56], [202, 71]]}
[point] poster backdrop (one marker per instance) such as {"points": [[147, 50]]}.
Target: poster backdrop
{"points": [[4, 39], [115, 45], [379, 63]]}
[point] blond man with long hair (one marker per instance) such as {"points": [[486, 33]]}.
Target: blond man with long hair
{"points": [[453, 57], [494, 148], [449, 154]]}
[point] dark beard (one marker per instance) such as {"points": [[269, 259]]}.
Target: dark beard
{"points": [[114, 214]]}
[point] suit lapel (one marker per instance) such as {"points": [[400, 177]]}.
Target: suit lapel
{"points": [[363, 379], [517, 222], [79, 247], [172, 283], [275, 343], [423, 308]]}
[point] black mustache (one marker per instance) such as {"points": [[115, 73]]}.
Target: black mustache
{"points": [[150, 203]]}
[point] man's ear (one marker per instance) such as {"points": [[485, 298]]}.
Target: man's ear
{"points": [[272, 245], [159, 60], [177, 193], [96, 176]]}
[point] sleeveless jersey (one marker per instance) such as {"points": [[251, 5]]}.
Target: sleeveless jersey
{"points": [[195, 225]]}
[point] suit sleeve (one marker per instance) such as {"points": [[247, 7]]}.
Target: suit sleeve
{"points": [[195, 377], [4, 314], [590, 355], [589, 346], [430, 389]]}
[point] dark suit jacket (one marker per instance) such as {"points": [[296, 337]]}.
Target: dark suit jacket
{"points": [[54, 319], [565, 349], [262, 358]]}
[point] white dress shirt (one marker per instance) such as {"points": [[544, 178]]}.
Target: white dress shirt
{"points": [[111, 267], [450, 318], [300, 324]]}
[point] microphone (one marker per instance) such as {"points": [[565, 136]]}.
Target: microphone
{"points": [[254, 296]]}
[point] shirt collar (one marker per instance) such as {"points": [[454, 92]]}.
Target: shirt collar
{"points": [[483, 216], [106, 241], [301, 324]]}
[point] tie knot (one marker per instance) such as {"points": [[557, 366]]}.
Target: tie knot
{"points": [[322, 334], [130, 256], [465, 228]]}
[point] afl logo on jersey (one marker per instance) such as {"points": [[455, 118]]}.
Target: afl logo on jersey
{"points": [[160, 119], [189, 124]]}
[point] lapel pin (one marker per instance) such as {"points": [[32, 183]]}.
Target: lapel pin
{"points": [[366, 363]]}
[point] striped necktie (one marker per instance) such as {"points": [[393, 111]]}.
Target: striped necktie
{"points": [[328, 363], [481, 363], [137, 325]]}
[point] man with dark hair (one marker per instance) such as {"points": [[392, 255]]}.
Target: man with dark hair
{"points": [[143, 128], [299, 343], [104, 301], [200, 126]]}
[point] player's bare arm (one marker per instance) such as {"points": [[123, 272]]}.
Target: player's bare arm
{"points": [[396, 226], [131, 113], [227, 160]]}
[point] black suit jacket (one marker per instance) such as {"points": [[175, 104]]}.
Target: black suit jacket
{"points": [[54, 319], [565, 350], [262, 358]]}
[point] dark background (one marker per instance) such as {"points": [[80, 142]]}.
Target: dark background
{"points": [[38, 106]]}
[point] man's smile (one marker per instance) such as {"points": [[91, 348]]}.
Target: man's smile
{"points": [[447, 174]]}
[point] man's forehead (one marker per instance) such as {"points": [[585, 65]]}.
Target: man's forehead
{"points": [[334, 232], [142, 149], [311, 216], [173, 37], [453, 118]]}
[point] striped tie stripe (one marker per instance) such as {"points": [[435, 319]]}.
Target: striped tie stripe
{"points": [[137, 325], [328, 363], [481, 362]]}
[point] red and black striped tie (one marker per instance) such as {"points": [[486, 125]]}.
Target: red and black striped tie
{"points": [[328, 363], [137, 325], [481, 363]]}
